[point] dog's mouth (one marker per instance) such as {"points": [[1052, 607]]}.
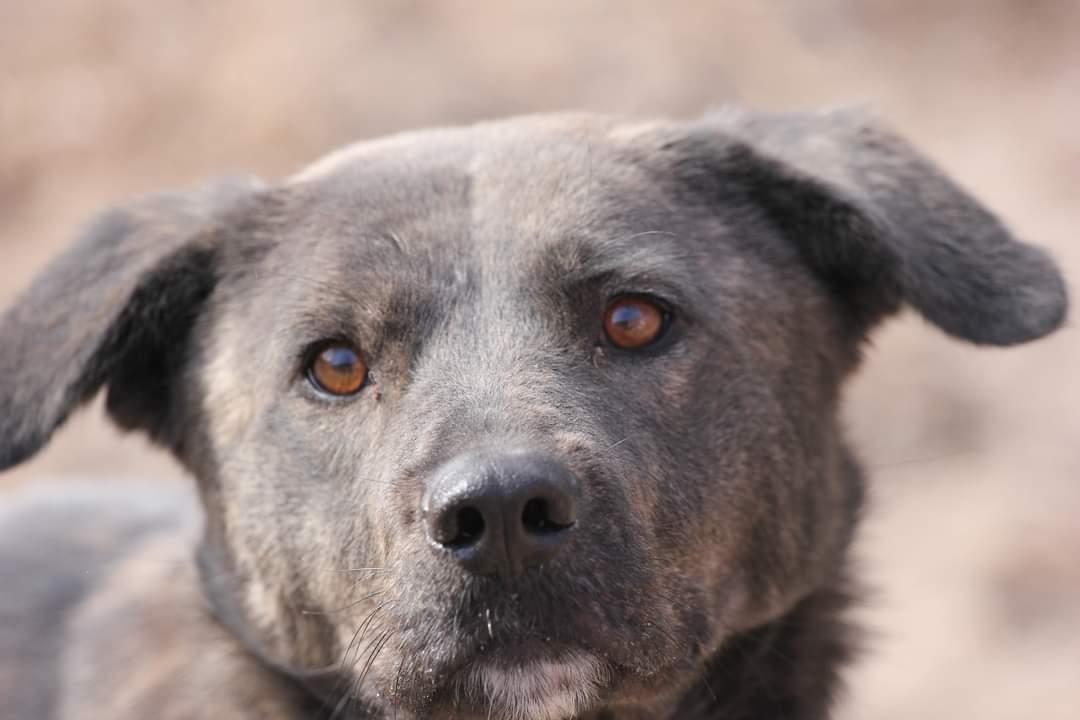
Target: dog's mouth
{"points": [[521, 675], [580, 633], [521, 682]]}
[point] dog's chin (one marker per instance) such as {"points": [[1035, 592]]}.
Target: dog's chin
{"points": [[510, 686], [521, 681], [519, 668]]}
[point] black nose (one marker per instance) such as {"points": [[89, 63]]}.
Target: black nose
{"points": [[501, 514]]}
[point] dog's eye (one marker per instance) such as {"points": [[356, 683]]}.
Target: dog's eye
{"points": [[336, 368], [633, 322]]}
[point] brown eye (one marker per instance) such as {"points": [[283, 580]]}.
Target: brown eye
{"points": [[337, 369], [632, 322]]}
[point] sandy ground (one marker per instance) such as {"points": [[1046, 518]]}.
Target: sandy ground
{"points": [[971, 544]]}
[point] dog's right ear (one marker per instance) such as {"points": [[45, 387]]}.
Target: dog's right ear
{"points": [[108, 307], [880, 224]]}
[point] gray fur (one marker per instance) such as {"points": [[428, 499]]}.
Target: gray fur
{"points": [[706, 576]]}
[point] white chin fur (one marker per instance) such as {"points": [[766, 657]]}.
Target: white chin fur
{"points": [[543, 690]]}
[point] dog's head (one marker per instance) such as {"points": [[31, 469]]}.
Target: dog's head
{"points": [[522, 418]]}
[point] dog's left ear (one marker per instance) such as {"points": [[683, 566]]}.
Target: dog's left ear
{"points": [[880, 224], [111, 311]]}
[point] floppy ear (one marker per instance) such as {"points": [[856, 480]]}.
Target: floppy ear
{"points": [[105, 311], [882, 225]]}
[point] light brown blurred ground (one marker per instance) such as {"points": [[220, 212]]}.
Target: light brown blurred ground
{"points": [[973, 542]]}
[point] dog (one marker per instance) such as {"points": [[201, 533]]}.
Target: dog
{"points": [[534, 419]]}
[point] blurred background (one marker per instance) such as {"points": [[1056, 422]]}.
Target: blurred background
{"points": [[972, 544]]}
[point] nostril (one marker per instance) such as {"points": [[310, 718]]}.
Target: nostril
{"points": [[500, 514], [470, 526], [536, 517]]}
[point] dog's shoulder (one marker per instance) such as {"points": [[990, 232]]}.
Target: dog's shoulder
{"points": [[58, 543], [101, 614]]}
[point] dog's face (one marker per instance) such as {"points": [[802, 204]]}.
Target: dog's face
{"points": [[494, 294], [522, 419]]}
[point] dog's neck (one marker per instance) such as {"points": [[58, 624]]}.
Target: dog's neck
{"points": [[786, 669]]}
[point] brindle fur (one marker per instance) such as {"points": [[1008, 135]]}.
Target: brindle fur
{"points": [[472, 265]]}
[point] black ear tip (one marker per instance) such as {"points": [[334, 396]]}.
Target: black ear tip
{"points": [[16, 452], [1023, 297], [1044, 308], [22, 431], [1040, 299]]}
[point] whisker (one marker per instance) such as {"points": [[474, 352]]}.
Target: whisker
{"points": [[373, 613], [647, 233], [384, 638], [345, 701], [341, 675], [357, 638], [705, 681], [922, 459], [616, 444], [394, 686], [343, 609]]}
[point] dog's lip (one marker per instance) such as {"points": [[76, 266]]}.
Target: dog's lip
{"points": [[528, 669], [515, 653], [534, 654], [525, 650]]}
